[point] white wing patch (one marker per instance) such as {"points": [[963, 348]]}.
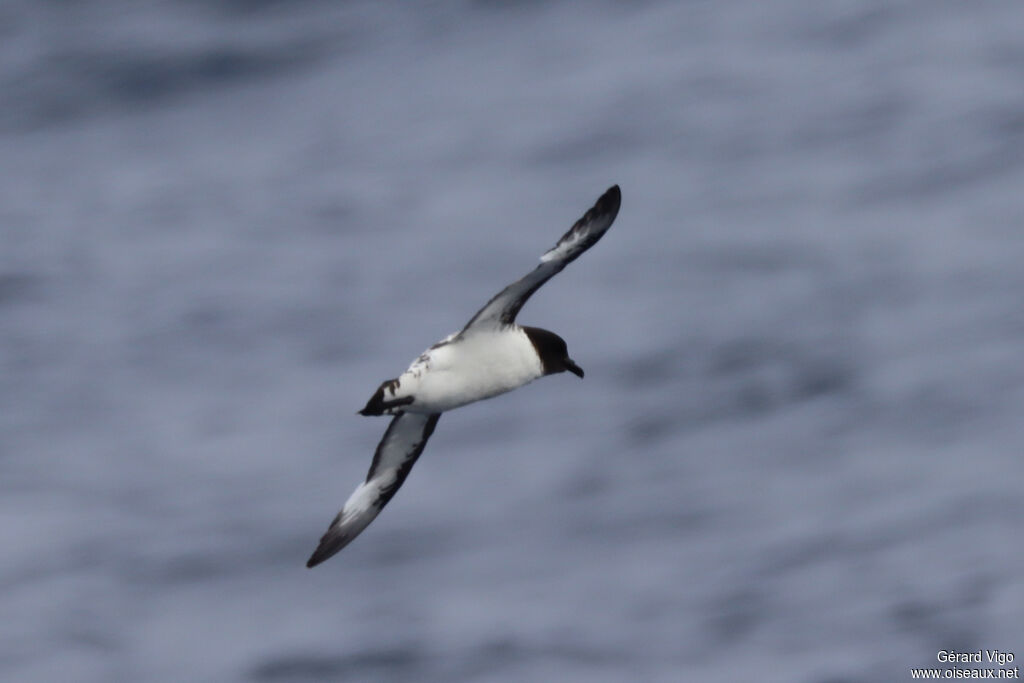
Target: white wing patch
{"points": [[565, 246]]}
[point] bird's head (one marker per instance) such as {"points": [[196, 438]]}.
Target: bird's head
{"points": [[553, 352]]}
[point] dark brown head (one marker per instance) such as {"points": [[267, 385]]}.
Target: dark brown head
{"points": [[554, 354]]}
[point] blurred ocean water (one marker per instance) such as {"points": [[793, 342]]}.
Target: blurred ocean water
{"points": [[796, 455]]}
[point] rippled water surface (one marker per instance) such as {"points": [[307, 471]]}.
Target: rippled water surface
{"points": [[796, 455]]}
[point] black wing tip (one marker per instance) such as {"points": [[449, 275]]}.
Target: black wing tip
{"points": [[333, 540], [317, 558], [328, 548], [610, 200], [606, 206]]}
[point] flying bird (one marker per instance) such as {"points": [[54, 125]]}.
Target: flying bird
{"points": [[487, 357]]}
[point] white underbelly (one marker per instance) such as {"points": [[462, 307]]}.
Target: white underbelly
{"points": [[477, 369], [445, 390]]}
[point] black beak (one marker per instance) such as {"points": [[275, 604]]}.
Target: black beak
{"points": [[573, 368]]}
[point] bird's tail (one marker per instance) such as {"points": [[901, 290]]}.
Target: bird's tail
{"points": [[379, 404]]}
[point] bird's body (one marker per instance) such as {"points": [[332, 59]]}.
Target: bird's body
{"points": [[460, 370], [489, 356]]}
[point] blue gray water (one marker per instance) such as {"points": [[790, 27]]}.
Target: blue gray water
{"points": [[796, 455]]}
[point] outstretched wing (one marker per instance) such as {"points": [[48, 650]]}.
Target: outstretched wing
{"points": [[503, 308], [396, 453]]}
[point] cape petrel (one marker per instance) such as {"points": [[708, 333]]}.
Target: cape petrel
{"points": [[489, 356]]}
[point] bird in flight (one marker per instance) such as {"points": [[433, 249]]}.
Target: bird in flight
{"points": [[487, 357]]}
